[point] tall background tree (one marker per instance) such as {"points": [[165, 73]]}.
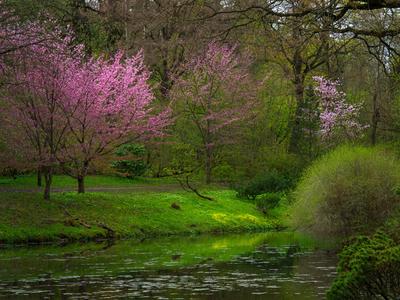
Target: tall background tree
{"points": [[216, 92]]}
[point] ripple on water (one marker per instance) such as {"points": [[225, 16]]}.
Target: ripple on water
{"points": [[147, 272]]}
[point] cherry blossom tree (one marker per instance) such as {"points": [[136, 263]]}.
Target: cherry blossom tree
{"points": [[107, 104], [39, 73], [74, 108], [215, 93], [336, 115]]}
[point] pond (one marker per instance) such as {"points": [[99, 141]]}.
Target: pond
{"points": [[247, 266]]}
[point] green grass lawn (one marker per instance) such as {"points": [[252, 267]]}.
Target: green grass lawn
{"points": [[25, 217], [62, 181]]}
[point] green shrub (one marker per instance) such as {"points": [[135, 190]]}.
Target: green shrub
{"points": [[132, 162], [272, 181], [369, 268], [130, 168], [10, 172], [348, 191], [182, 160], [268, 201], [225, 173], [271, 159]]}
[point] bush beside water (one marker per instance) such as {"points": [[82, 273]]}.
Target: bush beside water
{"points": [[347, 192], [369, 268], [353, 193]]}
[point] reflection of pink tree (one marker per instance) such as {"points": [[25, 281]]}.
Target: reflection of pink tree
{"points": [[215, 93], [336, 116], [107, 104]]}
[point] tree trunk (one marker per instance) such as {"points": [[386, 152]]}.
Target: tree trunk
{"points": [[81, 177], [375, 118], [165, 84], [296, 138], [327, 24], [208, 166], [39, 176], [81, 184], [48, 176], [375, 107], [297, 130]]}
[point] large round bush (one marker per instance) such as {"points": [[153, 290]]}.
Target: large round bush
{"points": [[348, 191]]}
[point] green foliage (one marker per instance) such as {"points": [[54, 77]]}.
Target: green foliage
{"points": [[281, 173], [225, 173], [369, 265], [348, 191], [183, 159], [132, 149], [97, 33], [368, 269], [10, 172], [289, 164], [306, 124], [269, 182], [130, 168], [268, 201]]}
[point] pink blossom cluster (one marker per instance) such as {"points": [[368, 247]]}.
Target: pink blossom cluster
{"points": [[220, 61], [214, 93], [109, 104], [336, 114], [216, 88], [81, 107]]}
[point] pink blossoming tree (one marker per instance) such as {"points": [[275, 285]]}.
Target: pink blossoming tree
{"points": [[336, 116], [39, 74], [107, 104], [215, 93], [73, 108]]}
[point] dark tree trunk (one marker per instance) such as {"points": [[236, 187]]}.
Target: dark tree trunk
{"points": [[327, 23], [297, 130], [298, 81], [81, 178], [375, 118], [81, 184], [165, 84], [208, 166], [375, 106], [39, 176], [48, 177]]}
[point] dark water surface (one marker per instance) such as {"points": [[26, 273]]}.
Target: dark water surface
{"points": [[246, 266]]}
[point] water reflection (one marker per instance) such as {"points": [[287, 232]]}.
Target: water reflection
{"points": [[246, 266]]}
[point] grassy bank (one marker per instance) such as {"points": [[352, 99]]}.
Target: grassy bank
{"points": [[25, 217]]}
